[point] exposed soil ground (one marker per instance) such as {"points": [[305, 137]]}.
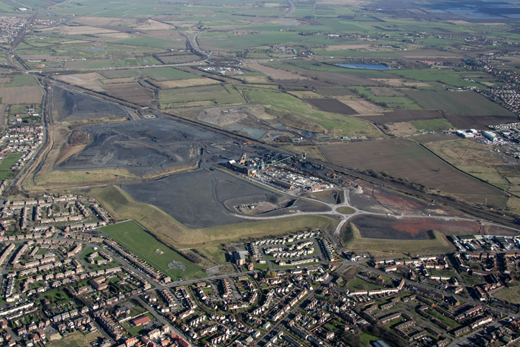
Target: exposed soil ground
{"points": [[437, 137], [132, 92], [406, 159], [480, 122], [151, 146], [196, 199], [228, 115], [331, 105], [362, 106], [399, 82], [71, 106], [380, 200], [399, 128], [404, 116], [380, 227]]}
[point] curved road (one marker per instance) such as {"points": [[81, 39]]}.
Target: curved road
{"points": [[346, 217]]}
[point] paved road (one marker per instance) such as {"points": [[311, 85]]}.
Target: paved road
{"points": [[346, 217], [296, 308]]}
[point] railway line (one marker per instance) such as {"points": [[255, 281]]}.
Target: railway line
{"points": [[477, 212]]}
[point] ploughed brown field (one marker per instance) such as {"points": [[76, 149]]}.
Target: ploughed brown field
{"points": [[331, 105], [480, 122], [131, 92], [381, 227], [404, 116], [407, 159]]}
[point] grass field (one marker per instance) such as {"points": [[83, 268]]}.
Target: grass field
{"points": [[168, 73], [352, 240], [397, 102], [511, 294], [300, 113], [22, 81], [9, 161], [203, 96], [216, 254], [464, 103], [358, 284], [449, 77], [143, 244], [345, 210], [367, 338], [77, 339], [477, 160], [170, 231]]}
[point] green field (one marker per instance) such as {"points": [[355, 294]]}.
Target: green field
{"points": [[345, 210], [22, 81], [295, 113], [168, 73], [8, 162], [446, 76], [396, 102], [357, 284], [464, 103], [200, 96], [510, 294], [352, 240], [131, 236], [127, 62], [121, 205]]}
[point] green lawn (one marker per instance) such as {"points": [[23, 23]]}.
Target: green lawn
{"points": [[357, 284], [345, 210], [453, 324], [131, 236], [9, 161], [366, 339]]}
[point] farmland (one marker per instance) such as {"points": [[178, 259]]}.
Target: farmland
{"points": [[462, 103], [477, 160], [200, 96], [408, 160], [331, 105], [131, 92], [308, 118], [21, 95]]}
